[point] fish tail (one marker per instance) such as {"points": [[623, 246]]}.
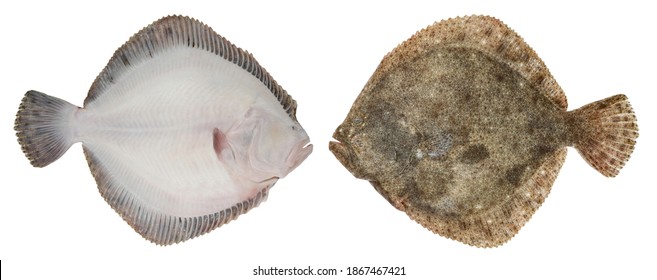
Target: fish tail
{"points": [[43, 127], [607, 132]]}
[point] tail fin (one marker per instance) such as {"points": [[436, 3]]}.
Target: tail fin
{"points": [[43, 127], [608, 133]]}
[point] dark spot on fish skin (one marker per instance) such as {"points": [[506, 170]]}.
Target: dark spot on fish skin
{"points": [[539, 79], [514, 174], [540, 151], [474, 154], [500, 48], [535, 98], [499, 77], [488, 31], [169, 31], [466, 97], [125, 60]]}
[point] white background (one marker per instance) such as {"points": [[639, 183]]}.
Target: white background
{"points": [[54, 224]]}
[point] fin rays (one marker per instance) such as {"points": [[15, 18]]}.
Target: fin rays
{"points": [[489, 35], [157, 227], [608, 133], [499, 225], [42, 127], [174, 31]]}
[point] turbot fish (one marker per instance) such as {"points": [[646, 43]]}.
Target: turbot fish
{"points": [[183, 131], [463, 127]]}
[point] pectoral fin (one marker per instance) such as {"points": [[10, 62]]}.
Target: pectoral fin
{"points": [[221, 146]]}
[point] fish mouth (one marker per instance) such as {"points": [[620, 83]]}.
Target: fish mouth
{"points": [[343, 153], [340, 149], [300, 152]]}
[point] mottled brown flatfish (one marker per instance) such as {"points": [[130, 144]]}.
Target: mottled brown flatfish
{"points": [[463, 128], [182, 130]]}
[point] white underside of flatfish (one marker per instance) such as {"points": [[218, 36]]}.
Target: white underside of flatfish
{"points": [[154, 128], [182, 130]]}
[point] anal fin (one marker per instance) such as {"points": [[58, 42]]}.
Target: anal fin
{"points": [[156, 226]]}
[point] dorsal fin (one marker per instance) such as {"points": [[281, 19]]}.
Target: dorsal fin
{"points": [[175, 31], [488, 35]]}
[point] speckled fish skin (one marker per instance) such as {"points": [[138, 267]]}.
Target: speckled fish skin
{"points": [[463, 128], [182, 130]]}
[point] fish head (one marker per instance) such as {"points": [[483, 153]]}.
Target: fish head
{"points": [[278, 147], [262, 148], [347, 147], [374, 141]]}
